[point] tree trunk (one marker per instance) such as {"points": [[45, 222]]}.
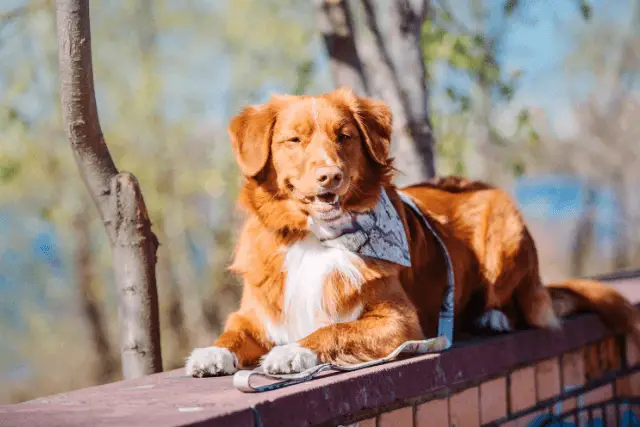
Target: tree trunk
{"points": [[622, 245], [393, 70], [116, 195], [583, 241], [414, 136], [336, 26], [91, 309]]}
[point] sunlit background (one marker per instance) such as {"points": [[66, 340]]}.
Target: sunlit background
{"points": [[539, 97]]}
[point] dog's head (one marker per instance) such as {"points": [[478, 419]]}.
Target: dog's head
{"points": [[312, 157]]}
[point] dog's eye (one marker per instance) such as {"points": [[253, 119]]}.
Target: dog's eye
{"points": [[294, 140], [342, 137]]}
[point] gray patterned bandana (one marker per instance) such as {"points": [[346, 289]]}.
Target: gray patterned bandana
{"points": [[378, 233]]}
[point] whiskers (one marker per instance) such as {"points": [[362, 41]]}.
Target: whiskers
{"points": [[355, 189]]}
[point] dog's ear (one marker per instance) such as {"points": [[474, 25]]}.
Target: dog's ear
{"points": [[250, 133], [374, 121]]}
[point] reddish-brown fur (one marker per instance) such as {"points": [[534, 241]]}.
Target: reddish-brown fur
{"points": [[494, 257]]}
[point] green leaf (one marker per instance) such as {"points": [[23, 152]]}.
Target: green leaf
{"points": [[46, 214], [9, 170], [585, 9], [523, 118], [534, 137], [510, 6], [465, 103], [451, 94], [518, 168], [459, 47], [506, 91]]}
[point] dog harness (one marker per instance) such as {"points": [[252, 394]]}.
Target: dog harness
{"points": [[380, 234]]}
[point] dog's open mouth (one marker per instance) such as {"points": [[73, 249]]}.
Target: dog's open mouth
{"points": [[326, 206]]}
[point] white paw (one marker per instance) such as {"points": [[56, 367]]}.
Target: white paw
{"points": [[211, 361], [494, 320], [288, 359]]}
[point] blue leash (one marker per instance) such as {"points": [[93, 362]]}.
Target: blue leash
{"points": [[445, 318]]}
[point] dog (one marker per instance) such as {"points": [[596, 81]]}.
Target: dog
{"points": [[313, 167]]}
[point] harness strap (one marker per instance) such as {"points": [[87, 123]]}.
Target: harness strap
{"points": [[445, 318], [242, 379]]}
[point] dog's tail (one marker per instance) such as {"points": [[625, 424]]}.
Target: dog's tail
{"points": [[578, 295]]}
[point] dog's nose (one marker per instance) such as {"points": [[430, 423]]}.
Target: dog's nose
{"points": [[329, 176]]}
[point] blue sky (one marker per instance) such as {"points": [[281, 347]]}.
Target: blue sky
{"points": [[538, 46]]}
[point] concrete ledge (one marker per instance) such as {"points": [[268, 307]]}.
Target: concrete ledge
{"points": [[171, 399]]}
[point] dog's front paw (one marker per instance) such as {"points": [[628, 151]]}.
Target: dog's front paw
{"points": [[288, 359], [495, 321], [211, 362]]}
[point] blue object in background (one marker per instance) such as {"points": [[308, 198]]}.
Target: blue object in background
{"points": [[559, 198]]}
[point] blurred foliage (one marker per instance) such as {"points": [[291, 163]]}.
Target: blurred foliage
{"points": [[464, 39]]}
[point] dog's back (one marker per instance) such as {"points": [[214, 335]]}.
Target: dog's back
{"points": [[492, 242], [453, 184]]}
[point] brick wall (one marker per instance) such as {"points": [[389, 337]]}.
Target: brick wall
{"points": [[598, 381], [579, 372]]}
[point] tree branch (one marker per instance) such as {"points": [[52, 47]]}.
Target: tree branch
{"points": [[398, 57], [116, 195]]}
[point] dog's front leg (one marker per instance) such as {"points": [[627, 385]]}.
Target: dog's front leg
{"points": [[388, 320], [238, 346]]}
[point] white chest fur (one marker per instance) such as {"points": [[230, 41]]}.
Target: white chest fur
{"points": [[307, 265]]}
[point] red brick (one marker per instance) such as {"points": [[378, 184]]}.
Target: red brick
{"points": [[600, 394], [464, 408], [493, 400], [433, 413], [547, 379], [573, 373], [610, 415], [592, 366], [522, 389], [628, 386], [568, 405], [402, 417], [633, 354], [611, 354]]}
